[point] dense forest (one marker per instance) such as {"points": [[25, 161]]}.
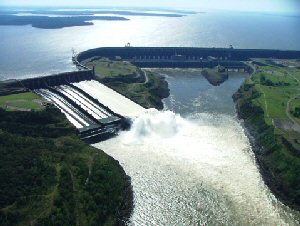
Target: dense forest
{"points": [[50, 177]]}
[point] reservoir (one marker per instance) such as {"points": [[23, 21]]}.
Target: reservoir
{"points": [[31, 52], [192, 163]]}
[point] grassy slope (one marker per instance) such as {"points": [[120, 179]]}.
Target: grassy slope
{"points": [[259, 104], [125, 78], [273, 99], [21, 100], [295, 103], [109, 68], [148, 94], [50, 177]]}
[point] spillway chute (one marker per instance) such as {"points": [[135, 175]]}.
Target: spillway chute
{"points": [[97, 111]]}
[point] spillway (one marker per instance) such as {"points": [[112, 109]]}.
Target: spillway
{"points": [[71, 113], [110, 98], [84, 102], [94, 109]]}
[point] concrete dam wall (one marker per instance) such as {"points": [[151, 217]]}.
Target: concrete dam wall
{"points": [[184, 54], [57, 79]]}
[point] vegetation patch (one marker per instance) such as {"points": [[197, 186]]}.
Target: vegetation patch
{"points": [[50, 177], [215, 76], [263, 101], [295, 109], [105, 67], [143, 87], [21, 101], [148, 95]]}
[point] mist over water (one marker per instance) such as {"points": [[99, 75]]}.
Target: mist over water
{"points": [[195, 168]]}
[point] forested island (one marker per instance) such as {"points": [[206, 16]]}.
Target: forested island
{"points": [[47, 22], [54, 19], [268, 103]]}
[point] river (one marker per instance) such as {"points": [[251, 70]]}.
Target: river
{"points": [[192, 164]]}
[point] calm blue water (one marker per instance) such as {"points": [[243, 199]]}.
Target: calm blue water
{"points": [[29, 52]]}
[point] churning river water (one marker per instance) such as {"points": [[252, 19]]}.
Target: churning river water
{"points": [[192, 163]]}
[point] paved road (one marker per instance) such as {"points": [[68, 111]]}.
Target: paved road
{"points": [[146, 77]]}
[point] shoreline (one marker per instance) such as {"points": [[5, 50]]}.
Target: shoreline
{"points": [[268, 176], [127, 206]]}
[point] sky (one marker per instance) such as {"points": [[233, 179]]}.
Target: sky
{"points": [[236, 5]]}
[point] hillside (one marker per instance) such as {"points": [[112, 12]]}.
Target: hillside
{"points": [[50, 177], [269, 102]]}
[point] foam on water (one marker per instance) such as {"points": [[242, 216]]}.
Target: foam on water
{"points": [[194, 172], [154, 125]]}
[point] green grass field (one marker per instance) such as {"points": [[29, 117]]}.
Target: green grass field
{"points": [[21, 101], [107, 68], [127, 79], [274, 98], [295, 103], [263, 103]]}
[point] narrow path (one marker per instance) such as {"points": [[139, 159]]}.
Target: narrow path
{"points": [[264, 95], [288, 109], [90, 166], [74, 196], [266, 104], [146, 77], [288, 105], [52, 197]]}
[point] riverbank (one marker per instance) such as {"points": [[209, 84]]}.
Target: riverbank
{"points": [[261, 102]]}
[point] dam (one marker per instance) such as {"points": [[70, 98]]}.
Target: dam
{"points": [[97, 111], [186, 57]]}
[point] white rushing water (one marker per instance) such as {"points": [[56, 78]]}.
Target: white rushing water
{"points": [[65, 107], [83, 102], [108, 97], [191, 172]]}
